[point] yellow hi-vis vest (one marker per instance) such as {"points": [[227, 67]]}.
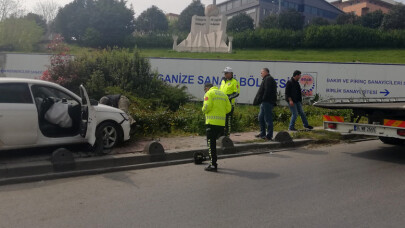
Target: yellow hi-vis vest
{"points": [[216, 106], [229, 87]]}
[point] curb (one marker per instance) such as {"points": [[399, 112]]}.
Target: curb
{"points": [[45, 170]]}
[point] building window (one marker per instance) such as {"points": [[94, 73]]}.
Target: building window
{"points": [[236, 4], [314, 10], [222, 8], [271, 1], [244, 2], [229, 6]]}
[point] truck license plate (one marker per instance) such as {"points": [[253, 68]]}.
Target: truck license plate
{"points": [[365, 129]]}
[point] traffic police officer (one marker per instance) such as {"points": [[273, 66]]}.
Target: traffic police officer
{"points": [[230, 86], [216, 106]]}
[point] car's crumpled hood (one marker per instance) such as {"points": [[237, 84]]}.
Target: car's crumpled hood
{"points": [[106, 108]]}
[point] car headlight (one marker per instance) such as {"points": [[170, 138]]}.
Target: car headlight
{"points": [[125, 116]]}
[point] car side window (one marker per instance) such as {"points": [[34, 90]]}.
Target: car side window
{"points": [[15, 93], [42, 92]]}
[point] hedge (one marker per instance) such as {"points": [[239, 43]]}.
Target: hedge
{"points": [[328, 36]]}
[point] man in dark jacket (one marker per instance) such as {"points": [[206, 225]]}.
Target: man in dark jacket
{"points": [[267, 97], [293, 96]]}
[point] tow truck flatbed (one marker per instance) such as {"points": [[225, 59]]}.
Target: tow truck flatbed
{"points": [[363, 103]]}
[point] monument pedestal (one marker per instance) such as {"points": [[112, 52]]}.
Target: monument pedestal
{"points": [[207, 35]]}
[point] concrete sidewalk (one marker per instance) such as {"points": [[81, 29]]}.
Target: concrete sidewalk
{"points": [[183, 142]]}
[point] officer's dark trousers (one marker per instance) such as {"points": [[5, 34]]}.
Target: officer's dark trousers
{"points": [[228, 121], [213, 132]]}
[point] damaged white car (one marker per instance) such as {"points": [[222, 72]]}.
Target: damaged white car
{"points": [[36, 113]]}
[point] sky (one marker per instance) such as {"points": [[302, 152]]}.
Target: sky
{"points": [[168, 6]]}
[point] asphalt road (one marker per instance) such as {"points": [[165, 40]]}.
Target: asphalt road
{"points": [[346, 185]]}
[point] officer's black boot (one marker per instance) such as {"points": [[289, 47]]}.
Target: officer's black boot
{"points": [[211, 168]]}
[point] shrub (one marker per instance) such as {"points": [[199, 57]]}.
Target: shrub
{"points": [[327, 36], [268, 38], [350, 36], [190, 119], [119, 68], [151, 41], [62, 69]]}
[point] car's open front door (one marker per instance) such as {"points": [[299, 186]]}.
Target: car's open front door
{"points": [[88, 118]]}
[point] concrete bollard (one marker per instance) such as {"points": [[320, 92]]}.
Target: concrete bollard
{"points": [[226, 145], [63, 160], [225, 142], [155, 150], [283, 137]]}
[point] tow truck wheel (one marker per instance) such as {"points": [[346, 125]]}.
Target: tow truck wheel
{"points": [[392, 141]]}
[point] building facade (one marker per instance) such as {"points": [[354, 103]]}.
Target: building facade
{"points": [[260, 9], [362, 7], [172, 16]]}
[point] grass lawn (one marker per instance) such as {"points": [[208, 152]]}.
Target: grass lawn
{"points": [[317, 55]]}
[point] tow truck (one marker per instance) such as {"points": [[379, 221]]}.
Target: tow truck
{"points": [[385, 117]]}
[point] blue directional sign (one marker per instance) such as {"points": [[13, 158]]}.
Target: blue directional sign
{"points": [[386, 92]]}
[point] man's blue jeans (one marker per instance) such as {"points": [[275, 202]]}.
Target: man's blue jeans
{"points": [[266, 118], [297, 110]]}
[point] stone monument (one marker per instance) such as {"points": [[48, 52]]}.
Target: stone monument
{"points": [[207, 33]]}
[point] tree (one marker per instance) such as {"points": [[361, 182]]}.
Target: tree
{"points": [[270, 21], [92, 38], [39, 20], [319, 21], [114, 21], [373, 19], [348, 18], [240, 23], [18, 34], [73, 19], [110, 20], [10, 8], [184, 23], [290, 19], [152, 20], [395, 19], [172, 29], [48, 10]]}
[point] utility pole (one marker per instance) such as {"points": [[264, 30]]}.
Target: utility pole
{"points": [[279, 6]]}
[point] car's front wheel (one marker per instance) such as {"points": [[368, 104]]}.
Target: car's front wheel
{"points": [[110, 134]]}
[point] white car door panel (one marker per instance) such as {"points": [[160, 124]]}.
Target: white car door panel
{"points": [[89, 120], [18, 124], [18, 115]]}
